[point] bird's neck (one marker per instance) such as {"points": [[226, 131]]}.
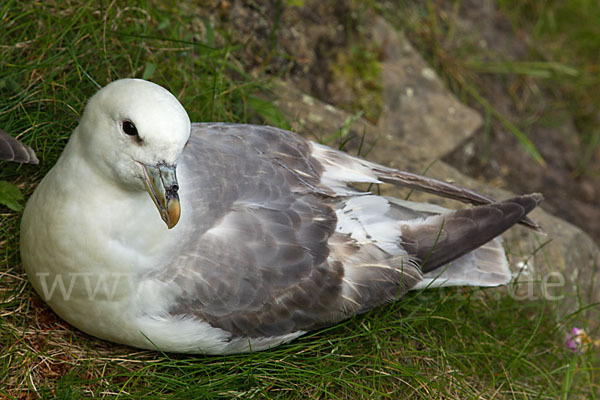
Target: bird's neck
{"points": [[76, 207]]}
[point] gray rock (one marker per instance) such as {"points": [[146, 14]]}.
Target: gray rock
{"points": [[417, 106]]}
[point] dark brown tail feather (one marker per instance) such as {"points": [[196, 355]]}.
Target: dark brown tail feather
{"points": [[441, 188], [441, 239]]}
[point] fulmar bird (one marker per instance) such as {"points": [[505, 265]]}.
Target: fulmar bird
{"points": [[261, 237]]}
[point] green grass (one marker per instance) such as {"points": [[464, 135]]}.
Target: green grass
{"points": [[459, 343], [568, 33]]}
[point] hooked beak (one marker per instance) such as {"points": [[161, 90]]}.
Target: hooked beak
{"points": [[161, 184]]}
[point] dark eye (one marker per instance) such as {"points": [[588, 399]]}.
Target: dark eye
{"points": [[129, 128]]}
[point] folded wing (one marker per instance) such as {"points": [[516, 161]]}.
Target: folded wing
{"points": [[279, 243]]}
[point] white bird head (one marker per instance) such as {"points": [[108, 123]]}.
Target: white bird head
{"points": [[134, 131]]}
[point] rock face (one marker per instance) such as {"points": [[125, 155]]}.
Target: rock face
{"points": [[413, 133], [417, 106]]}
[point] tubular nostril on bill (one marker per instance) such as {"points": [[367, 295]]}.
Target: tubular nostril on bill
{"points": [[172, 190]]}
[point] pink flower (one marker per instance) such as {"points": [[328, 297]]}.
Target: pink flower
{"points": [[578, 341]]}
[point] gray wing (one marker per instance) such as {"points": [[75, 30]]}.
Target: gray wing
{"points": [[13, 150], [256, 263], [279, 244]]}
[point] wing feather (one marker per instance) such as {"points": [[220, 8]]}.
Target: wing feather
{"points": [[12, 149], [264, 267], [276, 242]]}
